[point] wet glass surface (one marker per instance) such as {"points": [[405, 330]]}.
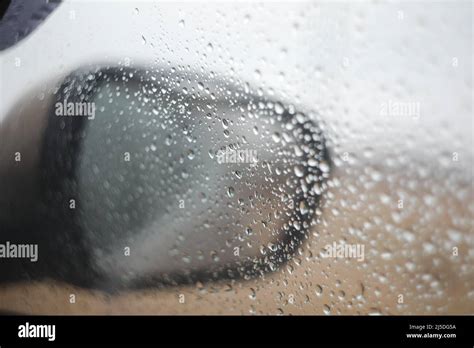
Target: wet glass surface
{"points": [[273, 158]]}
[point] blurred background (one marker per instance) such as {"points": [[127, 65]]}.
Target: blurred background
{"points": [[391, 85]]}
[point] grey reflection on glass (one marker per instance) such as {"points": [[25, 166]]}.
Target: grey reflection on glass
{"points": [[177, 183]]}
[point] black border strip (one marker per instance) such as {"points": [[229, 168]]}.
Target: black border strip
{"points": [[260, 330]]}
